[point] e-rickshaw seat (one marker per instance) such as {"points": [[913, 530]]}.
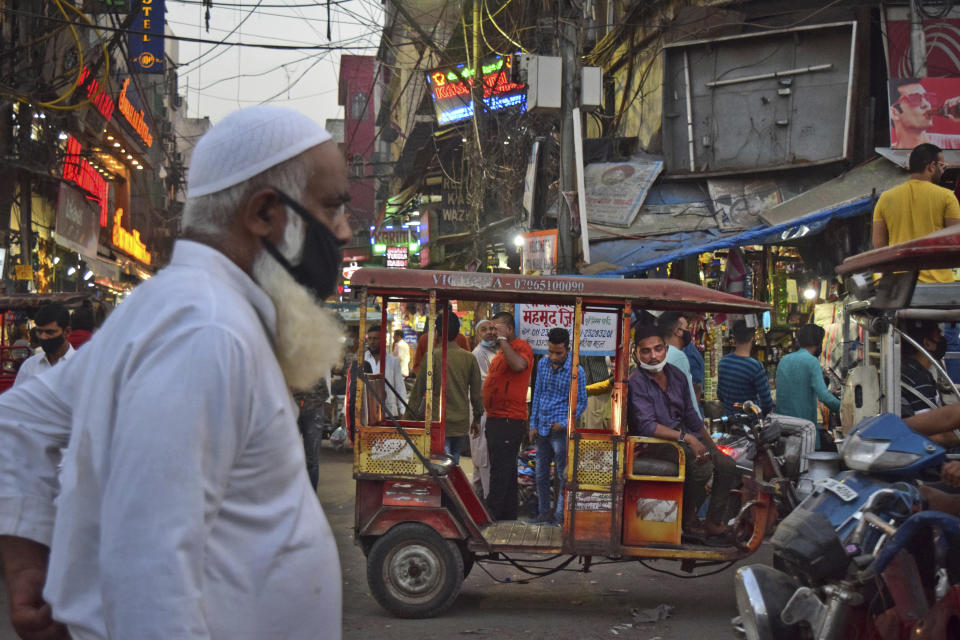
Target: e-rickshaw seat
{"points": [[645, 466]]}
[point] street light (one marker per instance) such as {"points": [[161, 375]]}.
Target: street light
{"points": [[88, 274], [71, 271], [518, 240]]}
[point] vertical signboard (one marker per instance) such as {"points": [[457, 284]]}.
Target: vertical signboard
{"points": [[146, 38], [539, 252], [77, 225]]}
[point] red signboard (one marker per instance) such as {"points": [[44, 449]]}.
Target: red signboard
{"points": [[80, 172], [98, 97]]}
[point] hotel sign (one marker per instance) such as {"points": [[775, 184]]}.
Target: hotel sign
{"points": [[145, 42], [129, 242], [96, 94], [133, 117]]}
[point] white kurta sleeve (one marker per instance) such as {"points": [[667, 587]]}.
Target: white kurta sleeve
{"points": [[400, 385], [34, 427], [182, 418]]}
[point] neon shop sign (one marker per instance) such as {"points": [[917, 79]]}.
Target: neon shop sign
{"points": [[451, 90], [80, 172]]}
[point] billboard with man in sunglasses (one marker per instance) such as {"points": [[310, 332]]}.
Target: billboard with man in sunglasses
{"points": [[924, 110]]}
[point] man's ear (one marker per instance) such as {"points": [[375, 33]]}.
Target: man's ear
{"points": [[263, 214]]}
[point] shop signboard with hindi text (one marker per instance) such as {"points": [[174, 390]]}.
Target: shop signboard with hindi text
{"points": [[598, 332]]}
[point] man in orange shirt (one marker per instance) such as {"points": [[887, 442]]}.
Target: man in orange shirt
{"points": [[505, 402]]}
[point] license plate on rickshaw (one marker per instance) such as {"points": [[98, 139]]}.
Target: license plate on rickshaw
{"points": [[838, 489]]}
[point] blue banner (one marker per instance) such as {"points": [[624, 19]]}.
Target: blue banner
{"points": [[146, 38]]}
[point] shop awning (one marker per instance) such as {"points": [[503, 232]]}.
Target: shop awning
{"points": [[901, 157], [697, 243], [872, 177], [848, 195]]}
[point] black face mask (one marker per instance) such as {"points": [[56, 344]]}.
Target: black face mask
{"points": [[50, 346], [686, 336], [319, 268], [940, 350]]}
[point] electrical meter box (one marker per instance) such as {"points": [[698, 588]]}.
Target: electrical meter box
{"points": [[543, 76]]}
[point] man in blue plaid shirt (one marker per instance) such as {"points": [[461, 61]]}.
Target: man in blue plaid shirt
{"points": [[548, 418]]}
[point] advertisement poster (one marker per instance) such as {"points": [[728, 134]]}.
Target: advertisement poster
{"points": [[615, 190], [942, 38], [924, 110], [598, 333], [539, 253], [78, 222], [739, 203]]}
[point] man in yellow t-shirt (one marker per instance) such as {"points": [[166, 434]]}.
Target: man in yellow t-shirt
{"points": [[917, 207]]}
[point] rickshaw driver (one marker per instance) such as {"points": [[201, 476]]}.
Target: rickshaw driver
{"points": [[659, 406]]}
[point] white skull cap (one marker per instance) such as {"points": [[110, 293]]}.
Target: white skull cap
{"points": [[248, 142]]}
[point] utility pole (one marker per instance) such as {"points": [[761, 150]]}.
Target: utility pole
{"points": [[476, 186], [569, 99]]}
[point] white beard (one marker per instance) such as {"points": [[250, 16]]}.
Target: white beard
{"points": [[309, 338]]}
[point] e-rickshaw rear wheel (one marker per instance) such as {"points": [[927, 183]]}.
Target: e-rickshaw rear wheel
{"points": [[413, 572]]}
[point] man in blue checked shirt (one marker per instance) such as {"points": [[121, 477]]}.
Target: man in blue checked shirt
{"points": [[548, 418]]}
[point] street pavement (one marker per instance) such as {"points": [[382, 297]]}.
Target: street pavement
{"points": [[565, 606], [569, 605]]}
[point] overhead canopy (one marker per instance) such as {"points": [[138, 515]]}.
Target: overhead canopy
{"points": [[659, 293], [18, 301], [901, 157], [874, 176], [804, 226], [848, 195]]}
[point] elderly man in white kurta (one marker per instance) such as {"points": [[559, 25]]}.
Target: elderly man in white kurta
{"points": [[183, 508]]}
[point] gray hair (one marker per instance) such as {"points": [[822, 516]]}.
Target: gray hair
{"points": [[210, 214]]}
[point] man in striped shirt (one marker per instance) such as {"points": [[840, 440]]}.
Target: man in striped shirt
{"points": [[741, 377], [919, 387]]}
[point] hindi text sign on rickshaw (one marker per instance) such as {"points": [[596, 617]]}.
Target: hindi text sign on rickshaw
{"points": [[598, 332]]}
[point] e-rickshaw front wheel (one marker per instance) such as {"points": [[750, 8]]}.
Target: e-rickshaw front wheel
{"points": [[413, 572]]}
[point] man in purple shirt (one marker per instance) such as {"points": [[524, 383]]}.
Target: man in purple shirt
{"points": [[660, 407]]}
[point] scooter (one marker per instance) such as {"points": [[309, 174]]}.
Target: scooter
{"points": [[780, 444], [846, 552]]}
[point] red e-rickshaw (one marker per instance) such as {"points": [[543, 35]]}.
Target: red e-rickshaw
{"points": [[418, 520]]}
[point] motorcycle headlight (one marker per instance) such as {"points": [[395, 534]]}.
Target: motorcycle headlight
{"points": [[862, 454], [762, 593]]}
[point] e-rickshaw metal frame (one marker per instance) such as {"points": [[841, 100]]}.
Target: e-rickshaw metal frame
{"points": [[877, 311], [403, 476]]}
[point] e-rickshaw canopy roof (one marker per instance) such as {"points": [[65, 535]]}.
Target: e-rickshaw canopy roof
{"points": [[659, 294], [31, 301], [938, 250]]}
